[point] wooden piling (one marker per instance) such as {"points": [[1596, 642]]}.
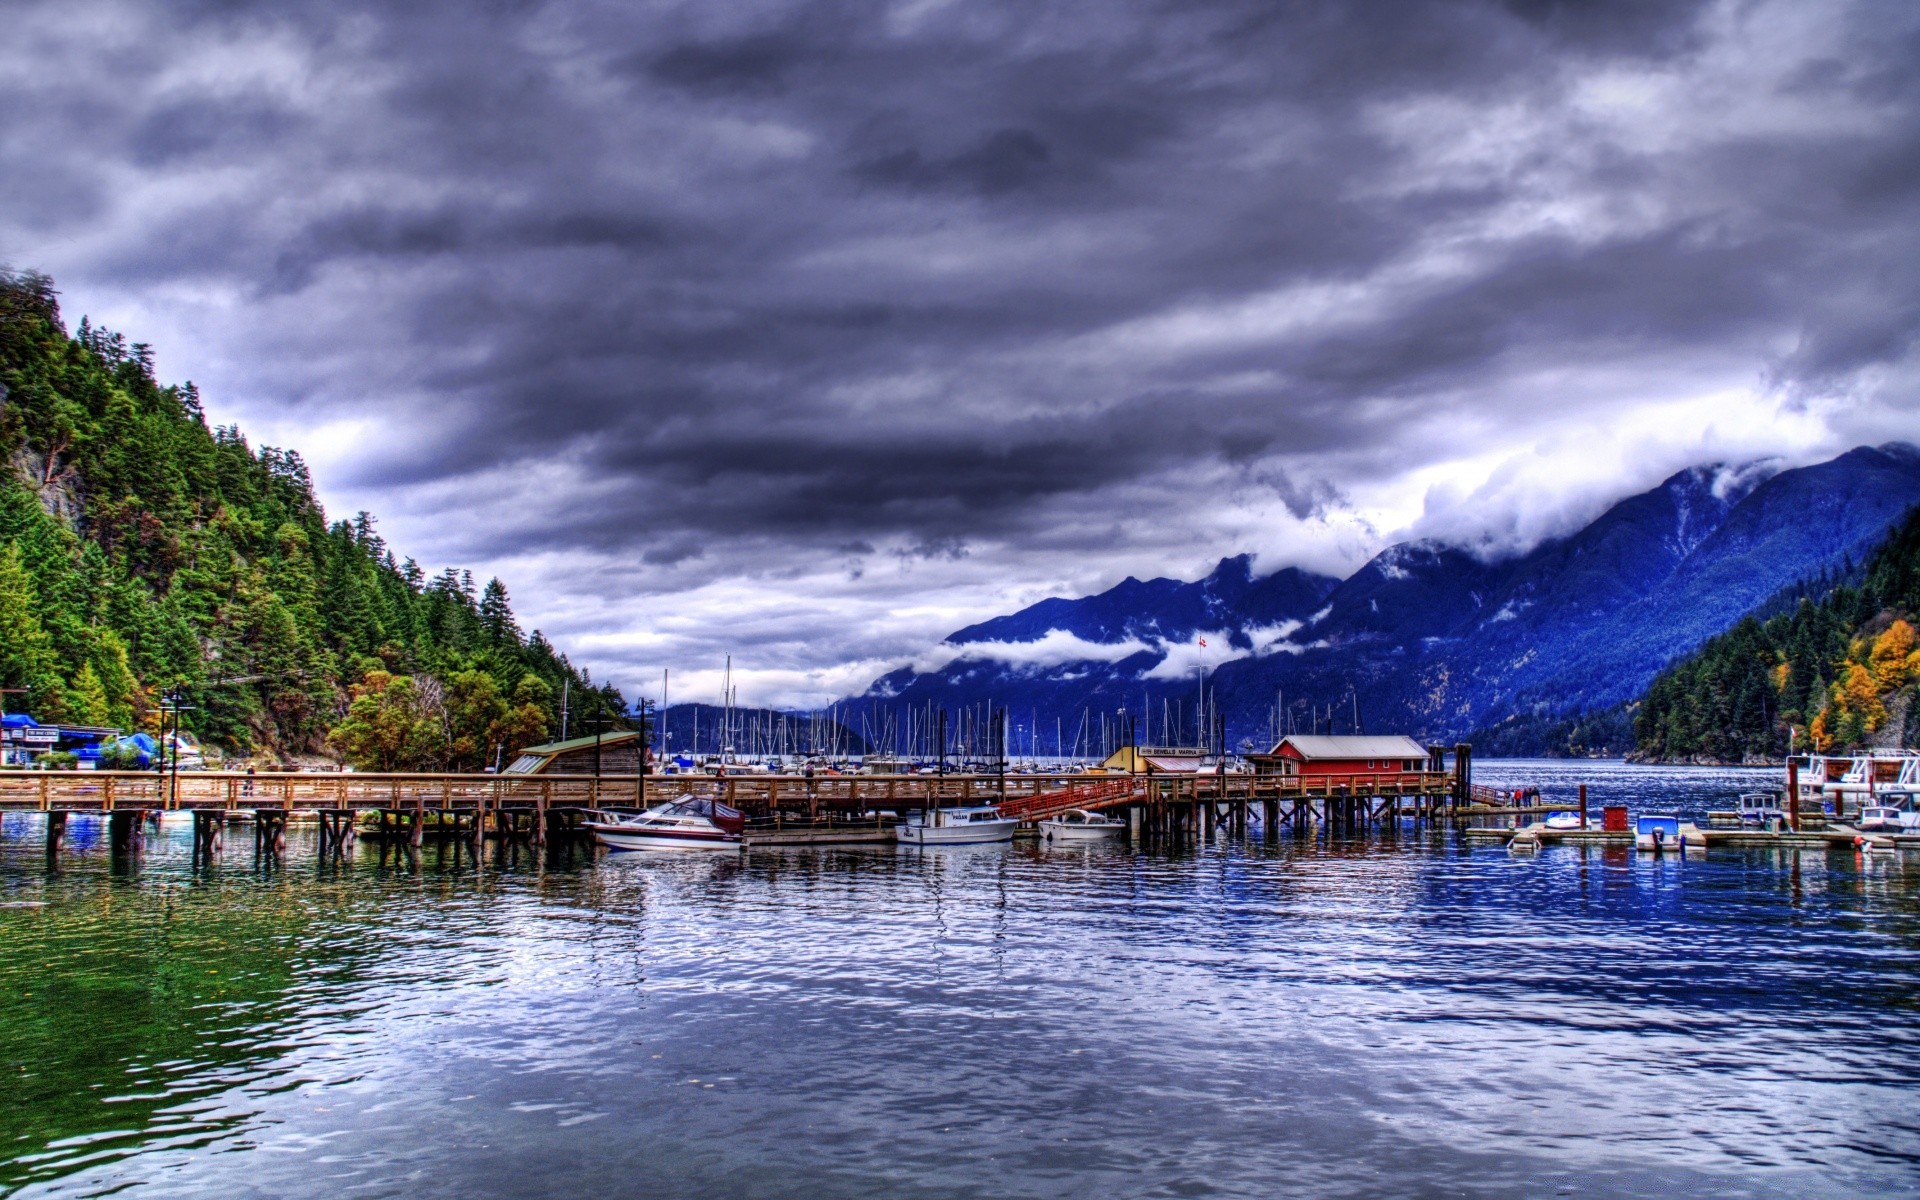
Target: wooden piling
{"points": [[123, 831], [207, 835], [269, 832], [1793, 792], [56, 832]]}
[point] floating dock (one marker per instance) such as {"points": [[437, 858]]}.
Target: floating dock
{"points": [[1834, 836]]}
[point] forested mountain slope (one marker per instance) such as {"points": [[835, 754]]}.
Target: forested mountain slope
{"points": [[1837, 670], [142, 550]]}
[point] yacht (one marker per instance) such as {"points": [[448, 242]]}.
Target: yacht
{"points": [[689, 823], [956, 827], [1079, 825]]}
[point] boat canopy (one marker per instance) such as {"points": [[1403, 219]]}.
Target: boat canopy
{"points": [[724, 815]]}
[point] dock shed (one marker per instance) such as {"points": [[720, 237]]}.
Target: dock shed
{"points": [[1343, 754], [619, 753], [1158, 760]]}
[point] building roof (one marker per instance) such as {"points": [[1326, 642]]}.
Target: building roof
{"points": [[612, 737], [1312, 746], [1187, 763]]}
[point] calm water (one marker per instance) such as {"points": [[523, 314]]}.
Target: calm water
{"points": [[1348, 1019]]}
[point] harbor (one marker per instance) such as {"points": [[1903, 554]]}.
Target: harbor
{"points": [[1405, 998], [1863, 803]]}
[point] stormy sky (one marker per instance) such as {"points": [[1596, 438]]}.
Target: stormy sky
{"points": [[810, 332]]}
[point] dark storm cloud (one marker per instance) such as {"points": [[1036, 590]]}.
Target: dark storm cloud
{"points": [[708, 286]]}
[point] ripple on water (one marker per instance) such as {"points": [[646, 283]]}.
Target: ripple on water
{"points": [[1322, 1019]]}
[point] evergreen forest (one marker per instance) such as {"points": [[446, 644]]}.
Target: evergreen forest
{"points": [[145, 554], [1834, 669]]}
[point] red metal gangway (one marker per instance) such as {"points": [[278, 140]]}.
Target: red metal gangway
{"points": [[1099, 794]]}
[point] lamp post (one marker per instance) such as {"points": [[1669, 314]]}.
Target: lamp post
{"points": [[943, 744], [599, 726], [170, 750], [642, 743]]}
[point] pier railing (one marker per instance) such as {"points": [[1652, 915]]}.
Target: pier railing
{"points": [[107, 791]]}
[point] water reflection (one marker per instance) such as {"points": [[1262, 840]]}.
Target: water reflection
{"points": [[1344, 1016]]}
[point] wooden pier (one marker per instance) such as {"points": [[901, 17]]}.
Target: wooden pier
{"points": [[781, 809]]}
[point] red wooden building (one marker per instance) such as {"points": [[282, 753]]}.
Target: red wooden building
{"points": [[1343, 754]]}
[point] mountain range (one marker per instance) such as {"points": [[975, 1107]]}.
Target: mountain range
{"points": [[1427, 638]]}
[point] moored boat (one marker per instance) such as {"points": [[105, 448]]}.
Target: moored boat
{"points": [[1079, 825], [1657, 832], [1889, 818], [1758, 808], [972, 825], [689, 823]]}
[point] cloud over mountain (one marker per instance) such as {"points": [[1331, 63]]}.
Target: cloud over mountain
{"points": [[814, 331]]}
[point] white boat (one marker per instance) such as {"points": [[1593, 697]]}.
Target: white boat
{"points": [[689, 823], [1889, 818], [1657, 832], [956, 827], [1563, 821], [1079, 825]]}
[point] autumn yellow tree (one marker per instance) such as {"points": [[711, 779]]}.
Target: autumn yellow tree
{"points": [[527, 722], [388, 727], [1820, 731], [1893, 660], [1857, 704]]}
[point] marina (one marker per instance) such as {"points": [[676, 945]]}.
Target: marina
{"points": [[1079, 1021], [1865, 802]]}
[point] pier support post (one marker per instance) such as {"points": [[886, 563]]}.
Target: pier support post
{"points": [[269, 832], [123, 831], [207, 836], [56, 832]]}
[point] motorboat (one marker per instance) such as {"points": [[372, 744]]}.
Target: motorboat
{"points": [[1564, 821], [967, 826], [689, 823], [1889, 818], [1657, 832], [1758, 808], [1079, 825]]}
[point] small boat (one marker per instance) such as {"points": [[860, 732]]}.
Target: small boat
{"points": [[1079, 825], [690, 823], [1758, 808], [1888, 818], [956, 827], [1563, 821], [1657, 832]]}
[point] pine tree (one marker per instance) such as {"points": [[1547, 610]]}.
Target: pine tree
{"points": [[26, 653], [496, 615], [86, 699]]}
